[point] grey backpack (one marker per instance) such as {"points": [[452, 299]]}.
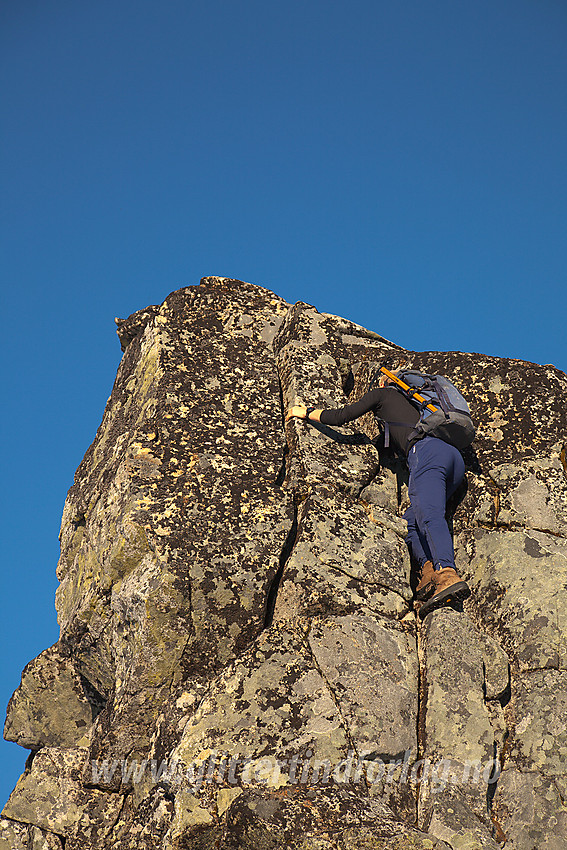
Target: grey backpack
{"points": [[451, 421], [443, 412]]}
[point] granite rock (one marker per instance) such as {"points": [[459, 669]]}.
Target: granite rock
{"points": [[53, 706], [240, 664], [19, 836]]}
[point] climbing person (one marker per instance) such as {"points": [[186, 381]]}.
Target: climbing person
{"points": [[436, 468]]}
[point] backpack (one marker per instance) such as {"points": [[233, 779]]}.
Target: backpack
{"points": [[444, 413]]}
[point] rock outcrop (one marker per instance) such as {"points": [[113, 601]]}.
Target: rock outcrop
{"points": [[240, 664]]}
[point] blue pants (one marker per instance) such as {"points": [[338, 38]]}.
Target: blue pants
{"points": [[436, 469]]}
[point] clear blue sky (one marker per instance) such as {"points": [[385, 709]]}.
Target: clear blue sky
{"points": [[402, 164]]}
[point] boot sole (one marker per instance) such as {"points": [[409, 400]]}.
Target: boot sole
{"points": [[425, 592], [456, 593]]}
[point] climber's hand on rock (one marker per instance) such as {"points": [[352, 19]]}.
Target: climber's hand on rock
{"points": [[299, 411]]}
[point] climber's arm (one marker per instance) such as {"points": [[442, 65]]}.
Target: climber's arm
{"points": [[339, 415], [300, 411]]}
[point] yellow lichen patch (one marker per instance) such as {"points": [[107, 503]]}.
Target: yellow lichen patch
{"points": [[83, 575], [137, 450], [126, 553], [225, 798], [188, 814]]}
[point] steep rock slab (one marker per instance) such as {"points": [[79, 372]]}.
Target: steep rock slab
{"points": [[519, 581], [310, 374], [533, 495], [289, 718], [457, 723], [371, 668], [348, 559], [343, 558], [173, 530], [536, 502], [530, 810], [271, 704], [539, 740], [457, 735]]}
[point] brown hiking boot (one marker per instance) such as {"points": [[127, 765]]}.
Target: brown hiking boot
{"points": [[449, 588], [426, 586]]}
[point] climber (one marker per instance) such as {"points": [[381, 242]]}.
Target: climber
{"points": [[436, 469]]}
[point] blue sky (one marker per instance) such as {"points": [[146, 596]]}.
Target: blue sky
{"points": [[401, 164]]}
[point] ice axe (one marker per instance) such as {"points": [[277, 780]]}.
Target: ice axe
{"points": [[408, 389]]}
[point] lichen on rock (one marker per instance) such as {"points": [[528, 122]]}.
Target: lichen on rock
{"points": [[239, 662]]}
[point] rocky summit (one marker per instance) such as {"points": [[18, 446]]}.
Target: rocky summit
{"points": [[240, 662]]}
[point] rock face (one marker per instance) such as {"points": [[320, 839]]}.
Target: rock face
{"points": [[240, 664]]}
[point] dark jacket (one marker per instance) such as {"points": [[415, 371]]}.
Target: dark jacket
{"points": [[389, 404]]}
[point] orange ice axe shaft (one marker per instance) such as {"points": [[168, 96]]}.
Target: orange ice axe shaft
{"points": [[406, 387]]}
